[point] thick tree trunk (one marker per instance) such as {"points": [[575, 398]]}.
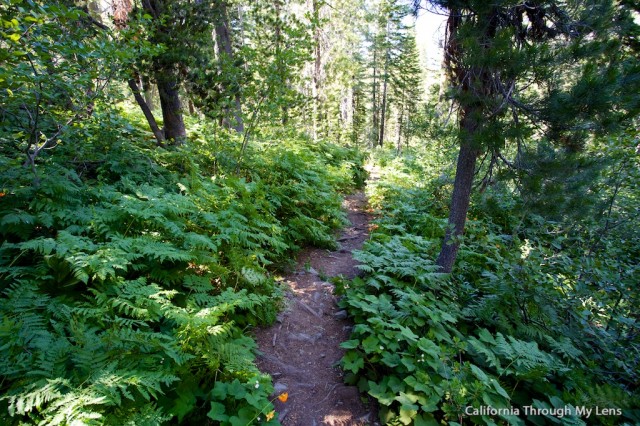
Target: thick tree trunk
{"points": [[385, 81], [354, 135], [174, 129], [159, 135], [225, 52], [461, 191], [407, 119], [166, 80]]}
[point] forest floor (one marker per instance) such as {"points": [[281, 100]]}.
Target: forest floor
{"points": [[301, 351]]}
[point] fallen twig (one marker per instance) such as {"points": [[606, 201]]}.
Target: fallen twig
{"points": [[311, 311]]}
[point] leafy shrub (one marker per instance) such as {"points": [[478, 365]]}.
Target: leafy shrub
{"points": [[530, 317], [129, 274]]}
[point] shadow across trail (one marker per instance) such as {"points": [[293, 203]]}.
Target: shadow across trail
{"points": [[301, 351]]}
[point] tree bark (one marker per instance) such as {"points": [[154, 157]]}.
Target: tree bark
{"points": [[225, 52], [159, 135], [356, 117], [469, 150], [317, 67], [400, 120], [166, 79], [174, 129], [374, 91], [280, 63], [461, 191], [383, 107], [148, 92], [383, 113]]}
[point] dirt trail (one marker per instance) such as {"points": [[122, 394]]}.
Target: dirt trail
{"points": [[301, 351]]}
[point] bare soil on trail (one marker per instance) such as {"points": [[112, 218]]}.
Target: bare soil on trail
{"points": [[301, 351]]}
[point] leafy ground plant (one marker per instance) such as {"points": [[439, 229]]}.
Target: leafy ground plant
{"points": [[516, 325], [130, 275]]}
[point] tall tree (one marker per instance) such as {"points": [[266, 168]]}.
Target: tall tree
{"points": [[375, 118], [172, 35], [407, 87], [343, 67], [388, 45], [316, 6], [358, 107], [550, 70], [385, 86], [120, 12], [166, 65], [277, 47], [232, 117]]}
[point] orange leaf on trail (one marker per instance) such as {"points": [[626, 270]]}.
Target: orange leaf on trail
{"points": [[283, 397]]}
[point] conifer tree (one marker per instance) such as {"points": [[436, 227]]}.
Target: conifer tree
{"points": [[406, 87], [547, 70], [277, 45], [393, 66], [344, 70], [232, 116]]}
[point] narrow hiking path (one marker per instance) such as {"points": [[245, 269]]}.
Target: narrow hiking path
{"points": [[301, 351]]}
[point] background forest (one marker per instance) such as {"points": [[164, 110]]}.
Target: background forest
{"points": [[162, 161]]}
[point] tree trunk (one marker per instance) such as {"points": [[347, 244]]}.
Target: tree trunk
{"points": [[159, 135], [407, 137], [280, 63], [400, 119], [383, 108], [166, 80], [469, 150], [93, 6], [225, 52], [356, 112], [174, 129], [461, 191], [317, 66], [148, 92], [237, 115], [374, 91]]}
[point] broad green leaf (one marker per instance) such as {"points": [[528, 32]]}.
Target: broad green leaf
{"points": [[217, 412], [381, 393], [350, 344], [425, 419]]}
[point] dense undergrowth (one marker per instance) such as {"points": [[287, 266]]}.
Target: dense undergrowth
{"points": [[130, 275], [540, 311]]}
